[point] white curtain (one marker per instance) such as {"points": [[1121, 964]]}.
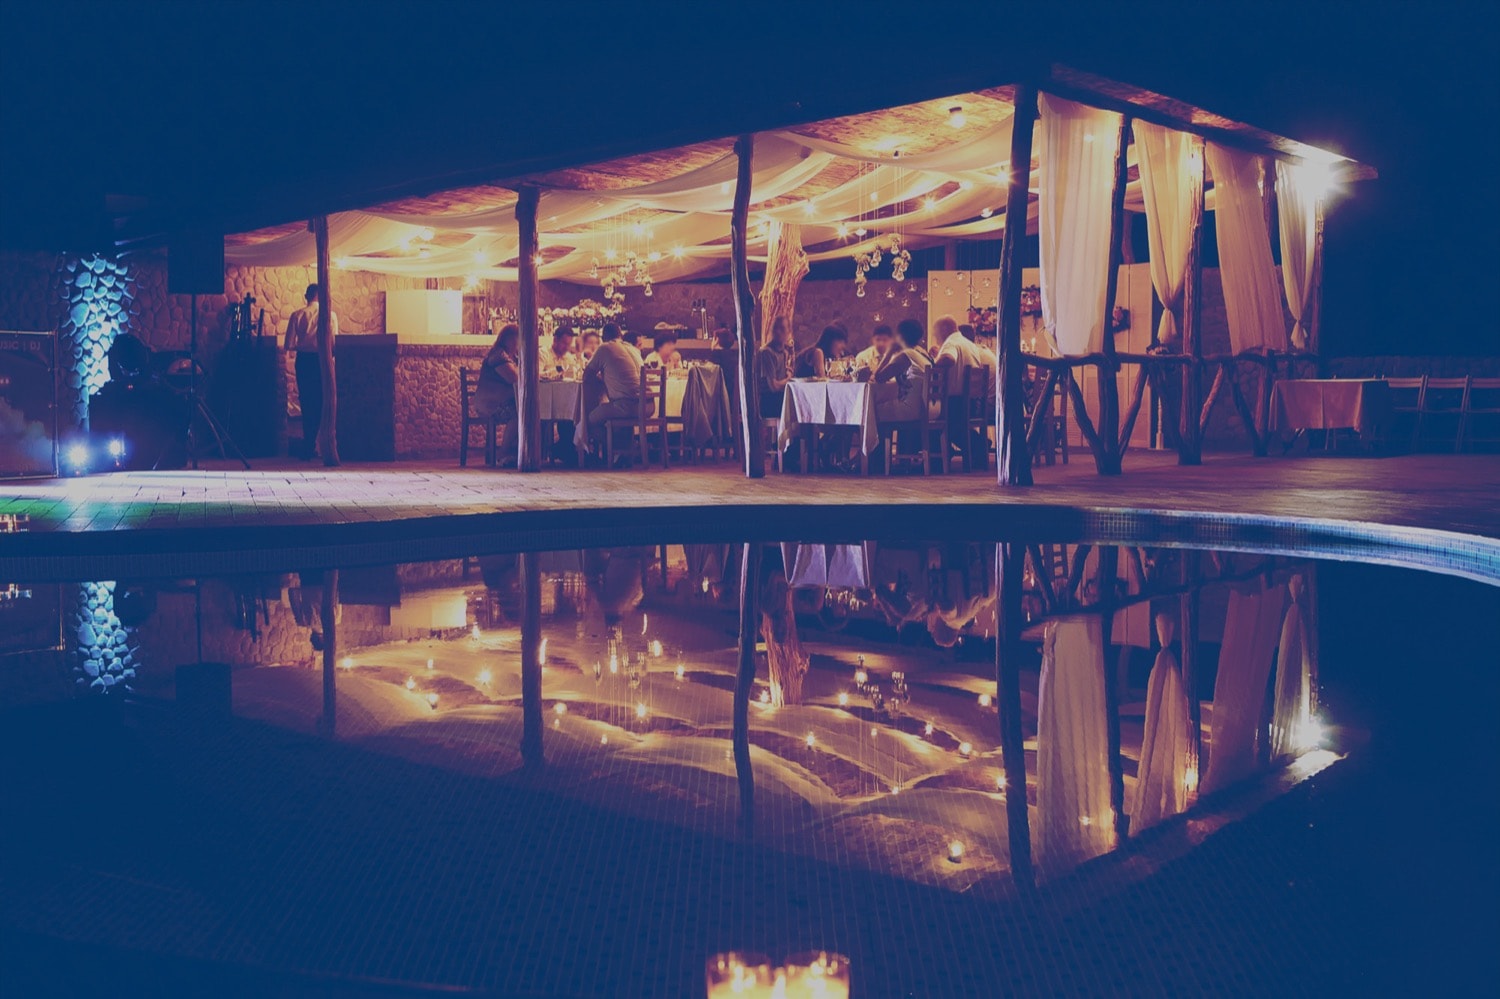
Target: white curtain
{"points": [[1074, 822], [1252, 298], [1293, 708], [1162, 781], [1173, 202], [1251, 629], [1077, 176], [1297, 212]]}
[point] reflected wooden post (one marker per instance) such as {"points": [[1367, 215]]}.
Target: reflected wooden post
{"points": [[744, 312], [1012, 457], [328, 720], [1189, 430], [531, 660], [1108, 455], [745, 682], [1188, 659], [528, 387], [1009, 564], [1108, 575]]}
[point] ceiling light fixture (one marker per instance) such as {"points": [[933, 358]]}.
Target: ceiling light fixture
{"points": [[956, 117]]}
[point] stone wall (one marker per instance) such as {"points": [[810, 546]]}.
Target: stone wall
{"points": [[427, 398]]}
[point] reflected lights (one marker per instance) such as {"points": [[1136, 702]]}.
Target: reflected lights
{"points": [[956, 117], [485, 676], [640, 709], [955, 852]]}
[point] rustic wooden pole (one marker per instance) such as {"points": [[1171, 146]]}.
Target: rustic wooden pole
{"points": [[328, 443], [1188, 628], [1315, 300], [1189, 432], [1108, 574], [1012, 457], [744, 312], [531, 660], [1009, 566], [745, 683], [528, 387], [1108, 457], [328, 721]]}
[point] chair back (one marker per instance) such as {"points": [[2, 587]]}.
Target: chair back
{"points": [[468, 381], [1444, 395], [1484, 395], [1406, 393], [653, 393], [976, 393]]}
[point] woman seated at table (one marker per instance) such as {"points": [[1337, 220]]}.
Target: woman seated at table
{"points": [[813, 362], [495, 396], [775, 365], [665, 356], [904, 369]]}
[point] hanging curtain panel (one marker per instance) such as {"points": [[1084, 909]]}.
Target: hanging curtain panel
{"points": [[1252, 297], [1162, 783], [1252, 628], [1297, 211], [1077, 176], [1074, 820], [1170, 183]]}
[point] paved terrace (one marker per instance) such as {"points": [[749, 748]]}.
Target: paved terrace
{"points": [[1438, 510]]}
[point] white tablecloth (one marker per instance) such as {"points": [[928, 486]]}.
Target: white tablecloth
{"points": [[848, 404], [1362, 404], [559, 400], [828, 565]]}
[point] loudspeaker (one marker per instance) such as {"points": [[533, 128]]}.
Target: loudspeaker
{"points": [[195, 264]]}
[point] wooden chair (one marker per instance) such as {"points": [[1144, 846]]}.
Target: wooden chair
{"points": [[468, 381], [1442, 399], [1483, 401], [979, 412], [1406, 403], [651, 416], [927, 430], [770, 435]]}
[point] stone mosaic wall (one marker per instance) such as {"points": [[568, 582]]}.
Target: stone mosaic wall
{"points": [[427, 398]]}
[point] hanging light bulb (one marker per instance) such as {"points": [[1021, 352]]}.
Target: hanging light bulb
{"points": [[411, 683], [929, 202], [861, 232], [677, 252], [985, 213], [843, 230], [956, 117], [610, 253]]}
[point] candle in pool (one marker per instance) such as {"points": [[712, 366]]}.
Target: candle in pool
{"points": [[817, 975], [738, 975]]}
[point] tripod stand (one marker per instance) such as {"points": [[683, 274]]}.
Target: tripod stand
{"points": [[198, 410]]}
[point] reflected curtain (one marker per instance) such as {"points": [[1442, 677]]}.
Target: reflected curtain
{"points": [[1174, 205], [1252, 298], [1297, 212], [1077, 177], [1293, 676], [1161, 784], [1251, 629], [1072, 756]]}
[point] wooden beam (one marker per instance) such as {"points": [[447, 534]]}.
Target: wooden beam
{"points": [[1188, 630], [531, 660], [1134, 411], [1106, 582], [1189, 428], [1242, 406], [528, 387], [1042, 411], [1107, 458], [328, 720], [1009, 560], [745, 683], [1012, 455], [744, 312], [328, 443]]}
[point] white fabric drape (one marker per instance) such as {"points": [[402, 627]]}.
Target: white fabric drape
{"points": [[1293, 708], [1173, 204], [1161, 783], [1297, 213], [1251, 628], [1252, 298], [1074, 822], [1077, 176]]}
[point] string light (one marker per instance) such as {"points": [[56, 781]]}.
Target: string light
{"points": [[485, 676], [560, 708], [985, 213], [965, 748], [811, 742], [927, 729], [843, 700], [1000, 782], [411, 683], [843, 230], [680, 672], [429, 664], [677, 252], [432, 699], [985, 700]]}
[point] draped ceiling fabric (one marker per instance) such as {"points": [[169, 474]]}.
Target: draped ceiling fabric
{"points": [[1173, 205], [1077, 176], [1251, 629], [1074, 820], [1293, 705], [1162, 782], [1297, 213], [1252, 298]]}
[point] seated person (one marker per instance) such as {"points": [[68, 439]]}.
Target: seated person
{"points": [[495, 396], [724, 338], [558, 360], [904, 369], [666, 355], [587, 344], [774, 364], [832, 344], [867, 360], [957, 354], [611, 383]]}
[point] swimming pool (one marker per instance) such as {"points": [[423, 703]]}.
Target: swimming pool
{"points": [[970, 766]]}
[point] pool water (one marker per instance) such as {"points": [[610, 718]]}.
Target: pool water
{"points": [[969, 767]]}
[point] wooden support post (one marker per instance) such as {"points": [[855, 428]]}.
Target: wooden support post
{"points": [[531, 660], [1242, 406], [328, 720], [1108, 575], [1009, 562], [1188, 630], [1042, 411], [1315, 300], [328, 443], [1086, 425], [528, 387], [745, 684], [1012, 458], [1137, 397], [1107, 456], [1189, 432], [744, 312]]}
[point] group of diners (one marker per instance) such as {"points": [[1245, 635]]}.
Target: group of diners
{"points": [[608, 363]]}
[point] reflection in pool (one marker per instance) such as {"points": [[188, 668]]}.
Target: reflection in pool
{"points": [[980, 719]]}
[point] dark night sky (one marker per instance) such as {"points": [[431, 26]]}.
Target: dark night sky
{"points": [[262, 112]]}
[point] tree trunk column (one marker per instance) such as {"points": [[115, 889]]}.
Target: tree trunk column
{"points": [[744, 312], [328, 427], [1013, 460], [528, 410], [745, 683]]}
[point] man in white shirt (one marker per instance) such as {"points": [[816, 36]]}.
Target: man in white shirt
{"points": [[302, 340], [615, 373], [957, 354], [559, 362]]}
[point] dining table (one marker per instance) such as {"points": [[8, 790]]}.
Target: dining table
{"points": [[1359, 404], [818, 402], [694, 394]]}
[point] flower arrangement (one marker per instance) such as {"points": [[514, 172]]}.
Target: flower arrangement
{"points": [[587, 313], [985, 321]]}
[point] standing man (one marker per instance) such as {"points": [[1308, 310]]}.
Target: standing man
{"points": [[302, 340]]}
